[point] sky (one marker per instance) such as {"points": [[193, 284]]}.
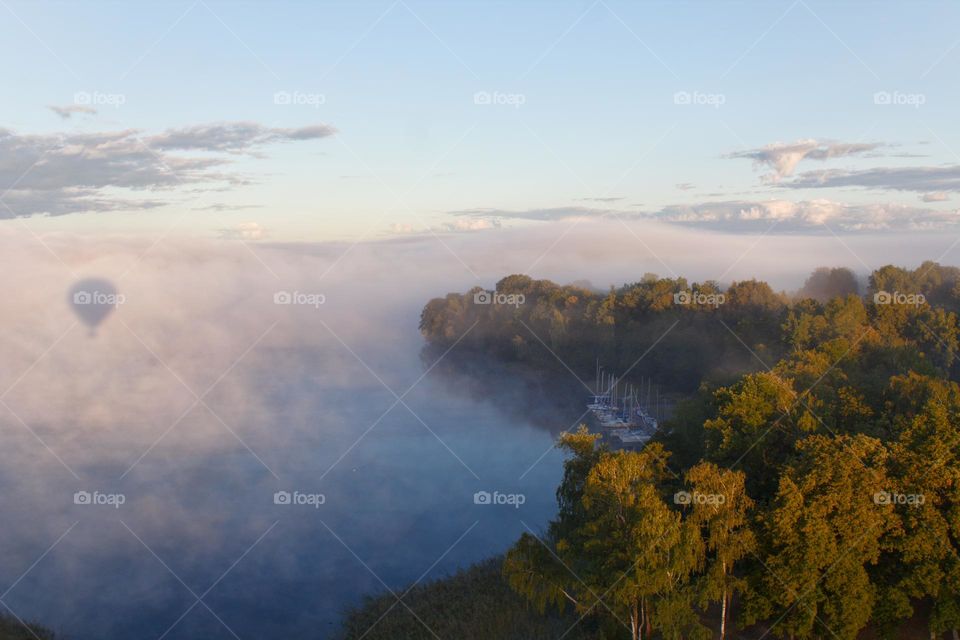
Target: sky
{"points": [[211, 160], [350, 121]]}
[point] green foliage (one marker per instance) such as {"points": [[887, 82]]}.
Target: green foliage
{"points": [[579, 325], [836, 448], [617, 551], [822, 532]]}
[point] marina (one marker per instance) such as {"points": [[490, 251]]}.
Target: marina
{"points": [[623, 411]]}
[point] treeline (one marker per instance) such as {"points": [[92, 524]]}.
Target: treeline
{"points": [[814, 499], [701, 331]]}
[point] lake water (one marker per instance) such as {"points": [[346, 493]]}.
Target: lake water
{"points": [[297, 400]]}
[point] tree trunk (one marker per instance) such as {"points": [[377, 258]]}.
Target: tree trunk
{"points": [[723, 606], [723, 615], [643, 618], [649, 623], [634, 622], [956, 636]]}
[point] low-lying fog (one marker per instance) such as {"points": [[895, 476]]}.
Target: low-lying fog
{"points": [[199, 398]]}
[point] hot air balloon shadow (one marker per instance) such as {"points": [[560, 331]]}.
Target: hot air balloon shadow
{"points": [[92, 300]]}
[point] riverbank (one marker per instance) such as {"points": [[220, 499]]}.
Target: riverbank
{"points": [[473, 604]]}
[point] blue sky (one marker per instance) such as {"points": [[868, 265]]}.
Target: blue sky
{"points": [[588, 116]]}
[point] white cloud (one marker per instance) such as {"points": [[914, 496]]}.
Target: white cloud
{"points": [[471, 224], [543, 214], [244, 231], [783, 158], [68, 111], [807, 216]]}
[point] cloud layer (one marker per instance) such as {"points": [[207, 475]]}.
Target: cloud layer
{"points": [[811, 216], [56, 174], [815, 216], [918, 179]]}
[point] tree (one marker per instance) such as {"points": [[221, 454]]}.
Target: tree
{"points": [[925, 490], [640, 556], [821, 534], [616, 547], [720, 510], [825, 284]]}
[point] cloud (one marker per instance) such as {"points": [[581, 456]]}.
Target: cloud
{"points": [[61, 173], [459, 225], [809, 216], [605, 199], [919, 179], [243, 231], [227, 207], [66, 112], [472, 224], [233, 137], [752, 216], [542, 214], [684, 186], [936, 196], [783, 158]]}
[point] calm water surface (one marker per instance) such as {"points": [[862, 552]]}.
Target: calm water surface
{"points": [[199, 549]]}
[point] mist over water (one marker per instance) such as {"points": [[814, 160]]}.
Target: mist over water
{"points": [[232, 372]]}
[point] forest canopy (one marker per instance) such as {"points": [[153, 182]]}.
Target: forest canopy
{"points": [[809, 485]]}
